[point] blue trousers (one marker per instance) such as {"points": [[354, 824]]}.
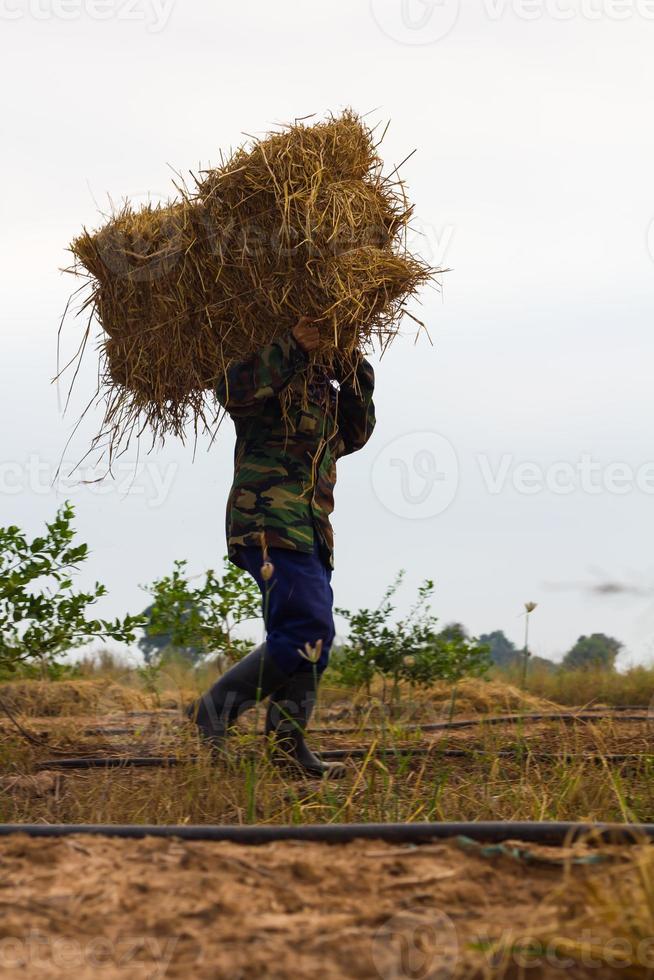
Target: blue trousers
{"points": [[296, 602]]}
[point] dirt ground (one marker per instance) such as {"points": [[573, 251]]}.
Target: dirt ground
{"points": [[95, 907], [88, 907]]}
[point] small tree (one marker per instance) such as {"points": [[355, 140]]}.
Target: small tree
{"points": [[41, 616], [412, 649], [199, 621], [597, 651], [371, 647]]}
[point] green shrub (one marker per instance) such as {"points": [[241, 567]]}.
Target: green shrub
{"points": [[41, 616], [412, 649], [195, 622]]}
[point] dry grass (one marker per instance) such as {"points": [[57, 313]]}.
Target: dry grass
{"points": [[302, 222], [395, 781], [79, 697], [610, 920], [591, 924], [632, 686], [118, 688], [476, 696]]}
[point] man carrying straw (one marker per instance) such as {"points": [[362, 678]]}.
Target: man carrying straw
{"points": [[290, 431]]}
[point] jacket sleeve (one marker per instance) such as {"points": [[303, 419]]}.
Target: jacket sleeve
{"points": [[246, 384], [356, 409]]}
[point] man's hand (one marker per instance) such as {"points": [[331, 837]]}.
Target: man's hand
{"points": [[306, 334]]}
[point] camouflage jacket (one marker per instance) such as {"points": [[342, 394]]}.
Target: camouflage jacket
{"points": [[285, 461]]}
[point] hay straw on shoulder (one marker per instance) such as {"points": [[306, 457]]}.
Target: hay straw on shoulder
{"points": [[299, 223]]}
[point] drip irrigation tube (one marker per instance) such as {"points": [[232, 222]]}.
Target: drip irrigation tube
{"points": [[566, 718], [114, 762], [621, 714], [617, 707], [556, 834], [567, 757], [332, 755]]}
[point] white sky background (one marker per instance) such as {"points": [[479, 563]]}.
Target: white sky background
{"points": [[532, 180]]}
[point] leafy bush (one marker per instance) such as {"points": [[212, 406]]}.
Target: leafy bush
{"points": [[196, 622], [41, 616], [412, 649]]}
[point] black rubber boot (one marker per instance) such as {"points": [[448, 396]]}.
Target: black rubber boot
{"points": [[288, 715], [245, 685]]}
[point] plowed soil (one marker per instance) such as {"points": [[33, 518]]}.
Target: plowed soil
{"points": [[88, 907]]}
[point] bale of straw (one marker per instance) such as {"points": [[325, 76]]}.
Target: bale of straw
{"points": [[299, 223]]}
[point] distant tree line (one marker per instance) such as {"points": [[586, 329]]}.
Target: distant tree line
{"points": [[595, 652]]}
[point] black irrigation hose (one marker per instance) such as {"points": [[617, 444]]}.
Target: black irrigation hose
{"points": [[360, 753], [115, 762], [567, 757], [617, 707], [493, 720], [588, 715], [463, 723], [167, 762], [556, 834]]}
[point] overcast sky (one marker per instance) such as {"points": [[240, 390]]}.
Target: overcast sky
{"points": [[513, 460]]}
